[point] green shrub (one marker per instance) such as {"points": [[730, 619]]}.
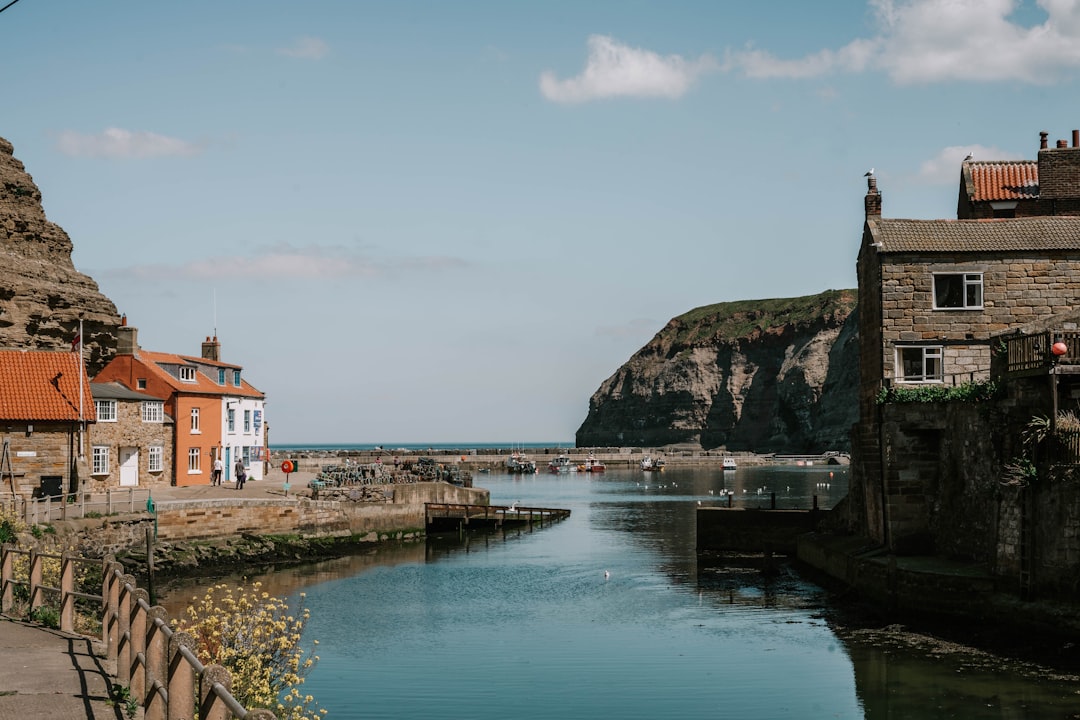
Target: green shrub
{"points": [[977, 391]]}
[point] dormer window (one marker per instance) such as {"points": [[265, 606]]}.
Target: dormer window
{"points": [[221, 376], [187, 373], [958, 291], [236, 378]]}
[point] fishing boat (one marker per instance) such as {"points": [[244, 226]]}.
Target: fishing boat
{"points": [[650, 464], [560, 464], [593, 465], [729, 463], [519, 463]]}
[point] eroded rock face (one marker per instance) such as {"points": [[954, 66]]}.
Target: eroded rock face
{"points": [[760, 375], [42, 295]]}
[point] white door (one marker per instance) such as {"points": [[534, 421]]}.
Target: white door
{"points": [[129, 467]]}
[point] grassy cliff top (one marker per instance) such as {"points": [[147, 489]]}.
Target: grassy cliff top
{"points": [[742, 318]]}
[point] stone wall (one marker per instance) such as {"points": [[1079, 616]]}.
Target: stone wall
{"points": [[41, 449], [129, 430]]}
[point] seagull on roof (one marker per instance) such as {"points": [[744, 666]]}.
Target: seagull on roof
{"points": [[869, 173], [969, 157]]}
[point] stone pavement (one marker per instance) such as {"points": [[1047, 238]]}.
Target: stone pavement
{"points": [[47, 674]]}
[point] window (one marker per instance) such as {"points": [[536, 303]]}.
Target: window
{"points": [[106, 411], [100, 460], [236, 378], [919, 364], [194, 461], [221, 376], [232, 419], [153, 411], [155, 457], [247, 421], [187, 373], [962, 291], [195, 420], [141, 383], [247, 455]]}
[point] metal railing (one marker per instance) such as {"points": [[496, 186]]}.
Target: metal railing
{"points": [[154, 661], [71, 506]]}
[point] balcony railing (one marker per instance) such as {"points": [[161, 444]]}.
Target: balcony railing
{"points": [[1033, 352]]}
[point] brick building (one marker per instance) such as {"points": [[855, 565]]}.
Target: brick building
{"points": [[45, 407], [217, 413], [132, 442]]}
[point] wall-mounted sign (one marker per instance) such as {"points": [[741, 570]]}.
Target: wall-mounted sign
{"points": [[26, 453]]}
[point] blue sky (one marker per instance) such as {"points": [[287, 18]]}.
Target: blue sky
{"points": [[451, 221]]}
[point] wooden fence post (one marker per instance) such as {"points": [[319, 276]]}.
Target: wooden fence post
{"points": [[181, 678], [6, 576], [112, 600], [211, 707], [137, 675], [67, 587], [123, 625], [157, 664], [35, 580]]}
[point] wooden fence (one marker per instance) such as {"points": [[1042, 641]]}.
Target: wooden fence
{"points": [[156, 662], [69, 506]]}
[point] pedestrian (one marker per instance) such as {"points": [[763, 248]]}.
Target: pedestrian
{"points": [[215, 476], [241, 474]]}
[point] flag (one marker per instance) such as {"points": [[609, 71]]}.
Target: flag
{"points": [[76, 342]]}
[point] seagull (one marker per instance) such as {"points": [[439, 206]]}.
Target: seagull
{"points": [[869, 173], [969, 157], [607, 574]]}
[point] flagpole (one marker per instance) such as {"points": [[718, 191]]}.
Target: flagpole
{"points": [[82, 369]]}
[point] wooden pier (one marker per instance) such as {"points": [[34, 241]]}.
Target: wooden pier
{"points": [[455, 517]]}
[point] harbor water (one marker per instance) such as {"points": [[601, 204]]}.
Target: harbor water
{"points": [[607, 615]]}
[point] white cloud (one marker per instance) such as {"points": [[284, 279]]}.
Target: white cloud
{"points": [[616, 70], [306, 48], [944, 168], [313, 262], [120, 143], [922, 41]]}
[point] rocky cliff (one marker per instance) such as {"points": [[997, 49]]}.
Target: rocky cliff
{"points": [[760, 375], [42, 295]]}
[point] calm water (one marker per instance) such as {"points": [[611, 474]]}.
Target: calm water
{"points": [[525, 624]]}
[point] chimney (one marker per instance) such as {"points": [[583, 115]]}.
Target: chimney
{"points": [[1076, 138], [1042, 139], [211, 349], [1062, 144], [873, 198], [127, 339]]}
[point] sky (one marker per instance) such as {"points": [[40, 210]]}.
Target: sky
{"points": [[438, 222]]}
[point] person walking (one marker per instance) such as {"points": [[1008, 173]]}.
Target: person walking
{"points": [[215, 476], [241, 474]]}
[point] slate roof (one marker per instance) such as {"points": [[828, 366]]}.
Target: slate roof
{"points": [[116, 391], [1003, 180], [977, 236], [203, 384], [37, 385]]}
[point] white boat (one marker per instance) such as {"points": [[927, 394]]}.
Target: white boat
{"points": [[652, 464], [519, 463], [592, 465], [561, 464], [729, 463]]}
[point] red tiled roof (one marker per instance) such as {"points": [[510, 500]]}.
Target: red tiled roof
{"points": [[202, 385], [42, 385], [1008, 180], [1005, 235]]}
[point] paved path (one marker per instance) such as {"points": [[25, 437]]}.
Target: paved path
{"points": [[47, 674]]}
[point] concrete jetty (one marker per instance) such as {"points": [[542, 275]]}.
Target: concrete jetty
{"points": [[48, 675]]}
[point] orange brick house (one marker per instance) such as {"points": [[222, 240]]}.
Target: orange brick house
{"points": [[45, 406], [205, 397]]}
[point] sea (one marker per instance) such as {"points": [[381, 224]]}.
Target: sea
{"points": [[420, 447], [607, 614]]}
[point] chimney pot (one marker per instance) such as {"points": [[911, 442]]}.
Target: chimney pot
{"points": [[1076, 138], [1063, 143], [1042, 139]]}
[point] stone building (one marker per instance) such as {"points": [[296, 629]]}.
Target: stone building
{"points": [[45, 408], [131, 444], [940, 303]]}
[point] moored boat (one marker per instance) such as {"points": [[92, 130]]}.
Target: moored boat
{"points": [[519, 463], [560, 464], [652, 464], [591, 464], [729, 463]]}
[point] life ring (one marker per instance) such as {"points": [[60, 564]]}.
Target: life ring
{"points": [[288, 466]]}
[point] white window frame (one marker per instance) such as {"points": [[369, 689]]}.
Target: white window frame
{"points": [[247, 421], [968, 280], [104, 415], [153, 411], [194, 461], [230, 418], [187, 374], [929, 354], [195, 422], [141, 383], [155, 458], [100, 462]]}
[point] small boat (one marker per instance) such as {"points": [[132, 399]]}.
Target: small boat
{"points": [[591, 464], [560, 464], [650, 464], [518, 463], [729, 463]]}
